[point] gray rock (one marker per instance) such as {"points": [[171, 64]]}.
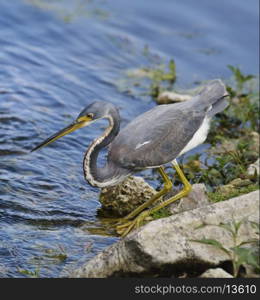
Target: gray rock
{"points": [[123, 198], [238, 182], [196, 198], [216, 273], [230, 145], [253, 168], [225, 147], [232, 186], [167, 245], [253, 139]]}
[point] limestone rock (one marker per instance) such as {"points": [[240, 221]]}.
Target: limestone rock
{"points": [[121, 199], [196, 198], [167, 247], [225, 147], [230, 145], [253, 168], [232, 186], [253, 138], [172, 97], [238, 182], [216, 273]]}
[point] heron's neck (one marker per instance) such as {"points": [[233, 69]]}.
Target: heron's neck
{"points": [[105, 176]]}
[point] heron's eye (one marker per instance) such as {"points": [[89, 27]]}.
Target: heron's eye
{"points": [[90, 115], [86, 118]]}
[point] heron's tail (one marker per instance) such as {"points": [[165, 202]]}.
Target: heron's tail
{"points": [[218, 106], [213, 95]]}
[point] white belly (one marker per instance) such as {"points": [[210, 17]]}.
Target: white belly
{"points": [[199, 137]]}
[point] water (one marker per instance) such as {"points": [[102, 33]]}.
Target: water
{"points": [[55, 58]]}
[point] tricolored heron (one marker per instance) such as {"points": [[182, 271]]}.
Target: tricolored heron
{"points": [[151, 140]]}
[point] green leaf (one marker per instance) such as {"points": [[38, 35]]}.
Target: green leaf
{"points": [[214, 243], [247, 255], [248, 77], [255, 225], [172, 68], [237, 225], [202, 225], [253, 241], [227, 226], [232, 68]]}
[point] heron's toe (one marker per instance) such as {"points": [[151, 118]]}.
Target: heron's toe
{"points": [[124, 229]]}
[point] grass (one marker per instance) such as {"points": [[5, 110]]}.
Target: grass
{"points": [[219, 196], [162, 213]]}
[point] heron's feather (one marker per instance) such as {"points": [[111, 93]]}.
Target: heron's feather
{"points": [[168, 128]]}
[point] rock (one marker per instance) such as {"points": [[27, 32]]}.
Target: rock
{"points": [[232, 186], [226, 189], [238, 182], [253, 139], [216, 273], [121, 199], [172, 97], [139, 73], [225, 147], [251, 272], [230, 145], [196, 198], [167, 247], [253, 168]]}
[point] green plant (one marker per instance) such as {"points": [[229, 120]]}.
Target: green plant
{"points": [[240, 80], [219, 196], [162, 213], [161, 78], [57, 254], [150, 80], [238, 253]]}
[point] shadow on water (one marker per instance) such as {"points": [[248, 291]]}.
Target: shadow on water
{"points": [[56, 57]]}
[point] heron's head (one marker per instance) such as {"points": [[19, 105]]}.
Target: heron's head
{"points": [[93, 112]]}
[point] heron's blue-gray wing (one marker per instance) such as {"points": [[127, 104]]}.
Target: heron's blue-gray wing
{"points": [[156, 137]]}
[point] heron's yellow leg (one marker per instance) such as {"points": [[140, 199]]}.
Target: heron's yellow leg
{"points": [[187, 188], [184, 192], [167, 186]]}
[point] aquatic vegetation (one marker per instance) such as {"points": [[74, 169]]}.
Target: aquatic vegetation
{"points": [[29, 273], [151, 80], [77, 9], [240, 80], [58, 254], [39, 265], [161, 78]]}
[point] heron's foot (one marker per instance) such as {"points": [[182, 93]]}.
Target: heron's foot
{"points": [[124, 229]]}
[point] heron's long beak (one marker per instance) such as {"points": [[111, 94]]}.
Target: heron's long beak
{"points": [[72, 127]]}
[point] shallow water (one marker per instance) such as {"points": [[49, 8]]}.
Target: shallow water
{"points": [[55, 58]]}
